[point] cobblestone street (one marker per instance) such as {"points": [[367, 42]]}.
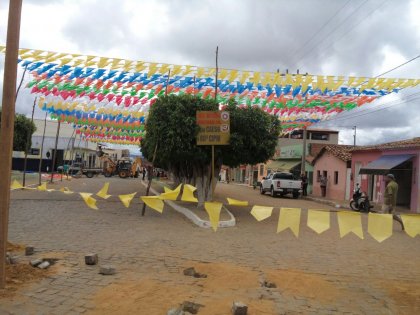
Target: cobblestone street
{"points": [[314, 274]]}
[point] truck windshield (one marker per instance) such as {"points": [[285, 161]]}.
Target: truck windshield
{"points": [[283, 176]]}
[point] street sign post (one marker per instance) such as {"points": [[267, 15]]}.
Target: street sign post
{"points": [[214, 130]]}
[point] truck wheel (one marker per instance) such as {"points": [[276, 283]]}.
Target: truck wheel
{"points": [[272, 193], [295, 195], [262, 192], [123, 174], [107, 174], [89, 174]]}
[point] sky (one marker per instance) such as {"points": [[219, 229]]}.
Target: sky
{"points": [[320, 37]]}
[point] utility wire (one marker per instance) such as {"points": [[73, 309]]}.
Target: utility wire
{"points": [[334, 30], [321, 28], [403, 64], [355, 25]]}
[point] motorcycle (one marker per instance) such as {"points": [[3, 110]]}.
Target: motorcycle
{"points": [[360, 202]]}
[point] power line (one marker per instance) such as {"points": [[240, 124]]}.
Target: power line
{"points": [[355, 25], [403, 64], [322, 27], [334, 30]]}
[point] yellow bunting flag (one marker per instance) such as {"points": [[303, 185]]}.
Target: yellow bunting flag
{"points": [[289, 218], [260, 213], [213, 209], [16, 185], [66, 190], [318, 220], [153, 202], [103, 193], [234, 202], [411, 224], [90, 202], [126, 199], [170, 194], [42, 187], [188, 194], [350, 222], [380, 226]]}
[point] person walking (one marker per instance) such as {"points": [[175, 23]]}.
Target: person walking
{"points": [[304, 180], [323, 183], [390, 198]]}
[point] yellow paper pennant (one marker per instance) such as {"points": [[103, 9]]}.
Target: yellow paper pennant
{"points": [[66, 190], [350, 222], [188, 194], [16, 185], [213, 209], [289, 218], [234, 202], [411, 224], [380, 226], [42, 187], [90, 202], [170, 194], [153, 202], [318, 220], [103, 193], [126, 199], [260, 213]]}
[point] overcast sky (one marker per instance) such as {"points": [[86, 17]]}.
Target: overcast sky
{"points": [[322, 37]]}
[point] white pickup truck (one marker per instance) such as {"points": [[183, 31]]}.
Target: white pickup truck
{"points": [[281, 183]]}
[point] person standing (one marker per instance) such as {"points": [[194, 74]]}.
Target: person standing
{"points": [[390, 198], [144, 173], [323, 183], [304, 180]]}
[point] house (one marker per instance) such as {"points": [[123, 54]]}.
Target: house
{"points": [[334, 162], [288, 156], [401, 158]]}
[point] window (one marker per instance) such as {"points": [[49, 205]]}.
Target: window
{"points": [[335, 178], [283, 176], [262, 170], [320, 136], [325, 174], [318, 176]]}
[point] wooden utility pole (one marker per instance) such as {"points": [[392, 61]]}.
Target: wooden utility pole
{"points": [[55, 150], [42, 149], [212, 147], [303, 166], [27, 147], [7, 125]]}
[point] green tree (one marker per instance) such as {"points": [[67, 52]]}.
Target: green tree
{"points": [[171, 130], [23, 128]]}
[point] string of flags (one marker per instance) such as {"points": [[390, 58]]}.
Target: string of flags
{"points": [[107, 99], [318, 220]]}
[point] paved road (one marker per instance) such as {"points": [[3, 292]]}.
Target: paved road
{"points": [[358, 276]]}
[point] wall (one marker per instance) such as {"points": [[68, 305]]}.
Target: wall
{"points": [[364, 157], [330, 163]]}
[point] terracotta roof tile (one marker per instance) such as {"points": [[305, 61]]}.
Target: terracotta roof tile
{"points": [[403, 144], [343, 152]]}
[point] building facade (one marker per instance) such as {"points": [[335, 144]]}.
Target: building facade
{"points": [[333, 162], [400, 158]]}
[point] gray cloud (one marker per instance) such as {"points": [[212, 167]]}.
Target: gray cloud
{"points": [[255, 35]]}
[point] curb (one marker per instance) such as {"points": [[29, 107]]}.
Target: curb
{"points": [[193, 217], [327, 202]]}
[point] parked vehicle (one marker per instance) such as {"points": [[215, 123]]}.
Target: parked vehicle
{"points": [[78, 168], [360, 202], [281, 183]]}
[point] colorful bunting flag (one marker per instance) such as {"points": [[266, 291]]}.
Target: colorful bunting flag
{"points": [[90, 202], [261, 213], [126, 199], [289, 218], [213, 209], [153, 202], [318, 220], [380, 226], [350, 222]]}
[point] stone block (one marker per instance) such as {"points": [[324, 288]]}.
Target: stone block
{"points": [[44, 265], [239, 308], [270, 285], [189, 272], [190, 307], [91, 259], [13, 260], [35, 262], [107, 270], [29, 250]]}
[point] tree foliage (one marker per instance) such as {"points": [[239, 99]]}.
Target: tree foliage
{"points": [[171, 130], [22, 128]]}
